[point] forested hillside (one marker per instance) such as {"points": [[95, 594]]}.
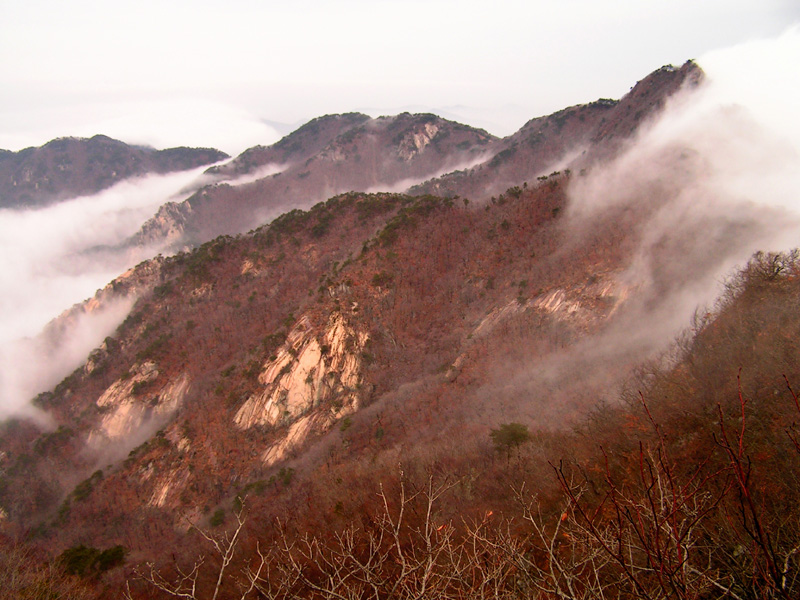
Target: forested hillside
{"points": [[522, 388]]}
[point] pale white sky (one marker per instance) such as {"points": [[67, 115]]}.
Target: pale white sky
{"points": [[211, 73]]}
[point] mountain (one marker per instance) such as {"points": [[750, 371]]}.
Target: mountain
{"points": [[430, 395], [418, 153], [70, 167], [327, 156], [246, 350], [573, 138], [300, 145]]}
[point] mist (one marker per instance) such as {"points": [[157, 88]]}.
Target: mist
{"points": [[160, 123], [55, 257], [711, 180], [260, 173], [718, 171], [404, 185]]}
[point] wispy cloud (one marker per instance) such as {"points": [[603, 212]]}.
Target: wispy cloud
{"points": [[54, 257], [715, 178], [718, 174], [260, 173]]}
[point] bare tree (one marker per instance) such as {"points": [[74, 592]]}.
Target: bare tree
{"points": [[394, 559], [648, 528], [23, 576], [184, 584], [772, 568]]}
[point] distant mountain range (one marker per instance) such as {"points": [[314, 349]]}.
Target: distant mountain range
{"points": [[70, 167], [418, 153]]}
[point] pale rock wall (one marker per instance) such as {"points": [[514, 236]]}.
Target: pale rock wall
{"points": [[297, 434], [166, 226], [495, 317], [556, 301], [174, 481], [413, 143], [302, 376], [126, 413], [250, 268], [583, 306]]}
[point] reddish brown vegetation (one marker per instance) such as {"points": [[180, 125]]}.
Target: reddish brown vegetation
{"points": [[683, 487]]}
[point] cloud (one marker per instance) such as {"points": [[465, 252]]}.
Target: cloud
{"points": [[54, 257], [713, 179], [259, 173], [717, 175], [160, 123], [403, 185], [32, 365]]}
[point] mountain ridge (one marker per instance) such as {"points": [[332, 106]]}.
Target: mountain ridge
{"points": [[481, 167], [69, 167], [346, 152]]}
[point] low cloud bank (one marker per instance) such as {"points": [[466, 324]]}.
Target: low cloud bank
{"points": [[710, 181], [717, 175], [55, 257]]}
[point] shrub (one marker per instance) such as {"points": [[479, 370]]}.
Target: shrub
{"points": [[82, 560], [509, 436], [218, 518], [85, 487], [382, 279]]}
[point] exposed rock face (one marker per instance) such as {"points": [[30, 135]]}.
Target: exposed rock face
{"points": [[295, 436], [584, 307], [100, 354], [135, 401], [595, 301], [415, 141], [305, 373], [166, 486], [166, 227]]}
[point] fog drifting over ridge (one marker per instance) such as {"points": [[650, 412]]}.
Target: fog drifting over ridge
{"points": [[709, 181], [730, 150], [57, 256]]}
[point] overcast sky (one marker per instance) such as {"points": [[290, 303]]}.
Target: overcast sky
{"points": [[217, 73]]}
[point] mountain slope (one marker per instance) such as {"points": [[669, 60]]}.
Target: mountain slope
{"points": [[69, 167], [574, 138], [329, 155], [366, 313]]}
